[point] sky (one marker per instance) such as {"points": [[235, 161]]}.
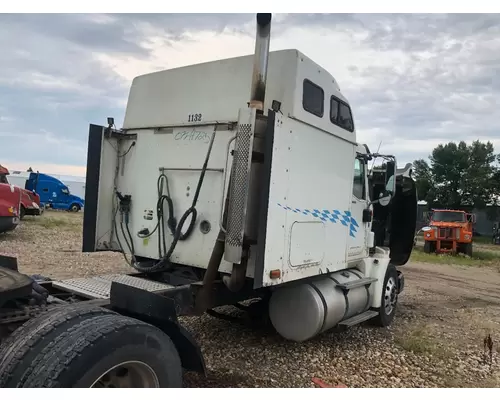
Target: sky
{"points": [[413, 80]]}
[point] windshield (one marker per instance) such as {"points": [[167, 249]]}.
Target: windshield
{"points": [[448, 216], [65, 190]]}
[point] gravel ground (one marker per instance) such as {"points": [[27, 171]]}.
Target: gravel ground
{"points": [[436, 339]]}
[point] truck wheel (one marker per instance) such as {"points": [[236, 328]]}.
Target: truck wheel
{"points": [[21, 349], [389, 298], [22, 212], [74, 208], [468, 249], [110, 351], [427, 247]]}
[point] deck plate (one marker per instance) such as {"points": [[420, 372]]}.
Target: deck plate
{"points": [[99, 287]]}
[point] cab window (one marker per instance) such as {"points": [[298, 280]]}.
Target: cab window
{"points": [[358, 187]]}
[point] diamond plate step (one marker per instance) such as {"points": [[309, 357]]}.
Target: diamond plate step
{"points": [[357, 283], [99, 287]]}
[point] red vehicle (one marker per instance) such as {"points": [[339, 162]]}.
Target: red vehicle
{"points": [[30, 200], [10, 202]]}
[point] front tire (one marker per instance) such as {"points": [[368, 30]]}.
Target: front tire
{"points": [[468, 249], [22, 213], [429, 247], [389, 299], [74, 208]]}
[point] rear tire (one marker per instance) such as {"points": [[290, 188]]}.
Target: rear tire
{"points": [[19, 353], [389, 299], [106, 350]]}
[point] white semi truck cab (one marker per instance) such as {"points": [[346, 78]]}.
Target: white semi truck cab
{"points": [[247, 171], [230, 181]]}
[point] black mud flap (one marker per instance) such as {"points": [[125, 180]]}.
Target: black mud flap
{"points": [[13, 285], [161, 312], [401, 282]]}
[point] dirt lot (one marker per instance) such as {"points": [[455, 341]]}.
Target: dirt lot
{"points": [[447, 308]]}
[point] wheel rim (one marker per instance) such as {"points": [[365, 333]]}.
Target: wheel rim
{"points": [[130, 374], [390, 295]]}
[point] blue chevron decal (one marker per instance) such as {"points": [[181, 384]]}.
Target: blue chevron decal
{"points": [[344, 217]]}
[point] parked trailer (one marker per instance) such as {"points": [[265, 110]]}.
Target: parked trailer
{"points": [[279, 207], [75, 184]]}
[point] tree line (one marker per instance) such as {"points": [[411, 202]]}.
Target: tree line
{"points": [[459, 175]]}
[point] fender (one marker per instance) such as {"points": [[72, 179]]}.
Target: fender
{"points": [[161, 312]]}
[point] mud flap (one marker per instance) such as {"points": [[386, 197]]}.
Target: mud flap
{"points": [[401, 282], [161, 312], [13, 284]]}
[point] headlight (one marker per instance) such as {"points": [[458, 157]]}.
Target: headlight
{"points": [[428, 235], [467, 237]]}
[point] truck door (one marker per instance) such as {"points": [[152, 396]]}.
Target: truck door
{"points": [[356, 241], [60, 197]]}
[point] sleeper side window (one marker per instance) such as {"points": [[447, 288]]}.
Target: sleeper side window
{"points": [[345, 117], [340, 114], [313, 98], [334, 110], [358, 187]]}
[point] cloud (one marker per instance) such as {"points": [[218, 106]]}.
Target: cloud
{"points": [[413, 80]]}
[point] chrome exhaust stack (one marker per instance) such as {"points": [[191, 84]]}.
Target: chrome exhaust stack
{"points": [[261, 60], [240, 209]]}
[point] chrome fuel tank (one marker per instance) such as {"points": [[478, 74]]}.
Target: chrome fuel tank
{"points": [[303, 311]]}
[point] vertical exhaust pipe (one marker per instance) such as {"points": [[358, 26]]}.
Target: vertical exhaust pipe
{"points": [[236, 280], [261, 59]]}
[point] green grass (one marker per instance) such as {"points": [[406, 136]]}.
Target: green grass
{"points": [[479, 257], [57, 220], [483, 240], [420, 341]]}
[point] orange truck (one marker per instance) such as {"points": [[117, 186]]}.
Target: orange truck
{"points": [[449, 231]]}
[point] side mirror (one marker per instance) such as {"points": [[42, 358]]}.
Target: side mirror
{"points": [[384, 199], [390, 177]]}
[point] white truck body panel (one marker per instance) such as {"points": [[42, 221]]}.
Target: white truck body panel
{"points": [[17, 180], [314, 221], [310, 228]]}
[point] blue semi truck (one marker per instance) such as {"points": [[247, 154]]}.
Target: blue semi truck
{"points": [[53, 193]]}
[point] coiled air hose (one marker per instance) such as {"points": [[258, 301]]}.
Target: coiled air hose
{"points": [[175, 228]]}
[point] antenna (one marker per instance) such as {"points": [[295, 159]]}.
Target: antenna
{"points": [[373, 163]]}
